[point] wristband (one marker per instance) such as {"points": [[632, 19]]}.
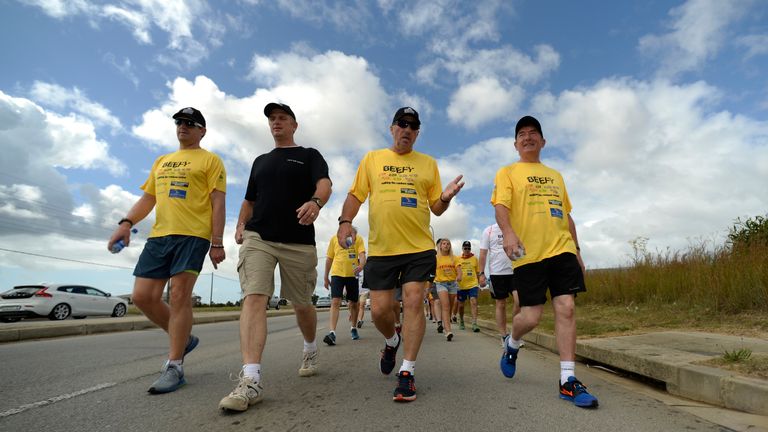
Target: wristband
{"points": [[343, 221], [215, 246], [126, 220]]}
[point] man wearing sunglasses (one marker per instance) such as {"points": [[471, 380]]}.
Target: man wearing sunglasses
{"points": [[286, 190], [187, 190], [534, 213], [468, 285], [404, 187]]}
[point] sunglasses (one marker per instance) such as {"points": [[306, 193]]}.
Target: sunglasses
{"points": [[405, 123], [187, 123]]}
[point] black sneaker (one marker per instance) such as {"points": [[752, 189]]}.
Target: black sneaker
{"points": [[388, 358], [439, 326], [360, 324], [330, 339], [406, 387]]}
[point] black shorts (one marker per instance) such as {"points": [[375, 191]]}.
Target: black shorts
{"points": [[502, 286], [561, 274], [386, 272], [338, 284]]}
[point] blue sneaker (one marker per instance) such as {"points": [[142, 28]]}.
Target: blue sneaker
{"points": [[508, 362], [191, 344], [330, 339], [355, 336], [573, 390], [171, 378]]}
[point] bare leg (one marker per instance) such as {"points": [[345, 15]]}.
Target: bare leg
{"points": [[382, 311], [306, 318], [253, 327], [415, 322], [335, 306], [565, 326], [180, 321]]}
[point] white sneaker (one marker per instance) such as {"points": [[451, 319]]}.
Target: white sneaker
{"points": [[248, 392], [308, 364]]}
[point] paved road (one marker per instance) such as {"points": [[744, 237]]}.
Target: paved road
{"points": [[99, 382]]}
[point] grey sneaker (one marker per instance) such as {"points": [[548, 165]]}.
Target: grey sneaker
{"points": [[171, 378], [308, 364], [248, 392]]}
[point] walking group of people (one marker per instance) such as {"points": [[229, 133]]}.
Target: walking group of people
{"points": [[287, 189]]}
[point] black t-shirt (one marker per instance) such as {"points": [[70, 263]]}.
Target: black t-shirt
{"points": [[282, 181]]}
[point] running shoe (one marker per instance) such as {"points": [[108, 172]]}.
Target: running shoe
{"points": [[308, 364], [508, 362], [475, 328], [573, 390], [355, 336], [360, 324], [439, 326], [461, 325], [191, 344], [330, 338], [171, 378], [248, 392], [449, 336], [388, 358], [406, 387]]}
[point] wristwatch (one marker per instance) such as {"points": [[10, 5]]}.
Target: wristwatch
{"points": [[317, 201]]}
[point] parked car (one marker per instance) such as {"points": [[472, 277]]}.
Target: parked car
{"points": [[58, 302], [323, 302], [274, 303]]}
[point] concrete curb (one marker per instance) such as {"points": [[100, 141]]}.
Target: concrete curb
{"points": [[676, 368]]}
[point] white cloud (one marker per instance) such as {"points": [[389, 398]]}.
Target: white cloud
{"points": [[756, 44], [697, 33], [60, 98], [483, 101]]}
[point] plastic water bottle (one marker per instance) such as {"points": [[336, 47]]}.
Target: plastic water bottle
{"points": [[120, 244], [519, 254], [349, 241]]}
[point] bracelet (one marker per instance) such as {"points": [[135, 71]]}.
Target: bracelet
{"points": [[342, 221], [126, 220], [441, 199], [481, 274], [578, 248], [317, 201], [215, 246]]}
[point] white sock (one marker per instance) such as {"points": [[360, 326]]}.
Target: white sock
{"points": [[310, 346], [253, 371], [408, 365], [393, 341], [175, 362], [333, 332], [513, 343], [567, 369]]}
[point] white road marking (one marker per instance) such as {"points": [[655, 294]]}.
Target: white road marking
{"points": [[55, 399]]}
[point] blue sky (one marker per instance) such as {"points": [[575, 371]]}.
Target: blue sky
{"points": [[654, 111]]}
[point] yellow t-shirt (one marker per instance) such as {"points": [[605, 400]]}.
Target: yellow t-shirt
{"points": [[181, 183], [538, 209], [344, 260], [468, 272], [446, 268], [401, 188]]}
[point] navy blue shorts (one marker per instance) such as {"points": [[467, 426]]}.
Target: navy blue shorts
{"points": [[338, 284], [386, 272], [166, 256], [560, 274], [463, 295]]}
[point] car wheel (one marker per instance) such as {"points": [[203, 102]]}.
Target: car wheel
{"points": [[277, 306], [119, 310], [60, 312], [9, 319]]}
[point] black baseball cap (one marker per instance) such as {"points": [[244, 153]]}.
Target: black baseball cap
{"points": [[528, 121], [466, 243], [404, 111], [275, 105], [190, 113]]}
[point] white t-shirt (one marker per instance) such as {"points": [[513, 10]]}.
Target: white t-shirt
{"points": [[492, 240]]}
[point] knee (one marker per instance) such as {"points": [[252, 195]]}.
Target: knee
{"points": [[143, 300]]}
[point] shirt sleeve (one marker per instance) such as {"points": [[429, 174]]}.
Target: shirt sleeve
{"points": [[485, 239], [361, 186], [252, 189], [331, 252], [502, 189], [149, 184], [217, 175], [319, 167]]}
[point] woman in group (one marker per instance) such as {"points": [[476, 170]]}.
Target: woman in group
{"points": [[446, 277]]}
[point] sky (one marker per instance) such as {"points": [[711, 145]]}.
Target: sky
{"points": [[654, 112]]}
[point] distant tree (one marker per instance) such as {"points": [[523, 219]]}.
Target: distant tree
{"points": [[749, 233]]}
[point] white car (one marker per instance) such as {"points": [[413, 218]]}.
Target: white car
{"points": [[58, 302], [323, 302]]}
